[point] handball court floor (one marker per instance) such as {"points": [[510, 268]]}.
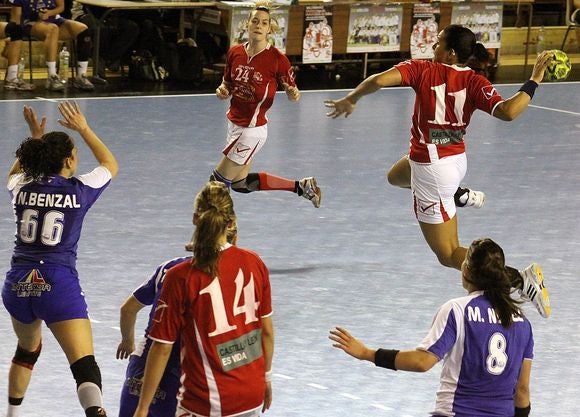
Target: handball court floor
{"points": [[359, 261]]}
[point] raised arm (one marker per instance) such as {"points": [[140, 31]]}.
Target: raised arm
{"points": [[74, 119], [36, 131], [129, 311], [346, 105], [516, 104]]}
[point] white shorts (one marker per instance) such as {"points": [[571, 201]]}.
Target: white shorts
{"points": [[244, 142], [434, 185], [182, 412]]}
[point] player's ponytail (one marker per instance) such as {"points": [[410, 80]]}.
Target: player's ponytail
{"points": [[214, 211], [42, 157], [487, 272]]}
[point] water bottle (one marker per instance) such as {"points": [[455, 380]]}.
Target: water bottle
{"points": [[63, 64], [21, 68], [541, 44]]}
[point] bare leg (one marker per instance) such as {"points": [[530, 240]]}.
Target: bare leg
{"points": [[443, 241], [29, 338], [232, 171], [75, 337], [399, 174]]}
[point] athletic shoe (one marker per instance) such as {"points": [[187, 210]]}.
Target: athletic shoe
{"points": [[310, 190], [474, 198], [534, 290], [82, 83], [53, 83], [18, 84]]}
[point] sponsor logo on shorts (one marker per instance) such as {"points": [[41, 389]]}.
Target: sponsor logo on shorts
{"points": [[33, 285], [242, 149], [241, 351], [426, 207], [134, 384]]}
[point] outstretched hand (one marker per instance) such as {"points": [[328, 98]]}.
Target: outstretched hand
{"points": [[542, 61], [73, 118], [36, 129], [350, 344], [339, 107]]}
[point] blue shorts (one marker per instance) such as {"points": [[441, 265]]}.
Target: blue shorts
{"points": [[47, 292], [165, 400]]}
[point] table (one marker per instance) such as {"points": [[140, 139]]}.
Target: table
{"points": [[115, 5]]}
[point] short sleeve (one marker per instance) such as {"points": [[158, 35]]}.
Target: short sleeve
{"points": [[410, 71], [167, 319], [266, 302], [285, 71], [443, 333], [483, 94]]}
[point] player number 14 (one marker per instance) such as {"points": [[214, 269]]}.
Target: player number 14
{"points": [[219, 308]]}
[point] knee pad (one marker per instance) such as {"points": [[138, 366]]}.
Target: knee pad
{"points": [[14, 31], [247, 185], [86, 370], [26, 358], [84, 45], [216, 176]]}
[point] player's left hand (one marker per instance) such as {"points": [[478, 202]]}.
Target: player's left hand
{"points": [[350, 344], [293, 93], [542, 61], [339, 107]]}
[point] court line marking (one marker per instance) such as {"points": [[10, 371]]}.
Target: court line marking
{"points": [[552, 109]]}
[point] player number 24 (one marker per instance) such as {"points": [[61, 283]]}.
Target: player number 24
{"points": [[222, 324]]}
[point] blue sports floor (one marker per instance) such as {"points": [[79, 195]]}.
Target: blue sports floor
{"points": [[359, 261]]}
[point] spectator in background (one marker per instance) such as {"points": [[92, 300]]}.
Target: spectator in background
{"points": [[13, 80], [42, 20]]}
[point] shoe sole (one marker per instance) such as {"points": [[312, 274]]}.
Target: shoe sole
{"points": [[543, 307]]}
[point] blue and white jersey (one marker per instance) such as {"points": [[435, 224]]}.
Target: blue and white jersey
{"points": [[148, 294], [481, 358], [49, 214]]}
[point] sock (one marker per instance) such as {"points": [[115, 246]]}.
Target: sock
{"points": [[516, 279], [51, 65], [90, 395], [82, 68], [272, 182], [14, 407], [12, 72]]}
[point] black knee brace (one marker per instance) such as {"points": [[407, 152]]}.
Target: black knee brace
{"points": [[26, 358], [84, 45], [86, 370], [14, 31], [248, 184]]}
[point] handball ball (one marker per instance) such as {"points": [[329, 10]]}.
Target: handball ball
{"points": [[559, 68]]}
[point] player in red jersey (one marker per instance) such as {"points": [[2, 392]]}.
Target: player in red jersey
{"points": [[447, 94], [253, 72], [219, 307]]}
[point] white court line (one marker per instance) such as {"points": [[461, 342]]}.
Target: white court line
{"points": [[382, 407], [317, 386], [557, 110], [283, 376], [350, 396]]}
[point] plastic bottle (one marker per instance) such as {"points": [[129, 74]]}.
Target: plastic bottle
{"points": [[63, 64], [541, 44], [21, 68]]}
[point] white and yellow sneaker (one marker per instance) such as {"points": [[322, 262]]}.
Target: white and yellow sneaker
{"points": [[534, 289]]}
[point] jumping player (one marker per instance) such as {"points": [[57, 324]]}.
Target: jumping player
{"points": [[484, 340], [219, 307], [447, 94], [253, 72], [42, 284]]}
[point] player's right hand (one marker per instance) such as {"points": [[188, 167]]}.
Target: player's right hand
{"points": [[222, 91], [125, 349], [542, 61]]}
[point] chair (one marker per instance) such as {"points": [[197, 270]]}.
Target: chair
{"points": [[571, 15]]}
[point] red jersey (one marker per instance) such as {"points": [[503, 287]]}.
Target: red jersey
{"points": [[253, 83], [219, 324], [445, 98]]}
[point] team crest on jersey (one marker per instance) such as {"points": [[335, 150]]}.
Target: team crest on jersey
{"points": [[489, 91], [32, 285], [159, 310], [258, 77]]}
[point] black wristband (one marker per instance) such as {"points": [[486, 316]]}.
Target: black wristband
{"points": [[385, 358], [523, 412], [529, 87]]}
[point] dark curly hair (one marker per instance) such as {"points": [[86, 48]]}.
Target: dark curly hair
{"points": [[45, 156], [487, 271]]}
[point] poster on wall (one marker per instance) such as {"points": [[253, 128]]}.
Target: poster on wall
{"points": [[373, 28], [424, 29], [239, 25], [317, 42], [484, 19]]}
